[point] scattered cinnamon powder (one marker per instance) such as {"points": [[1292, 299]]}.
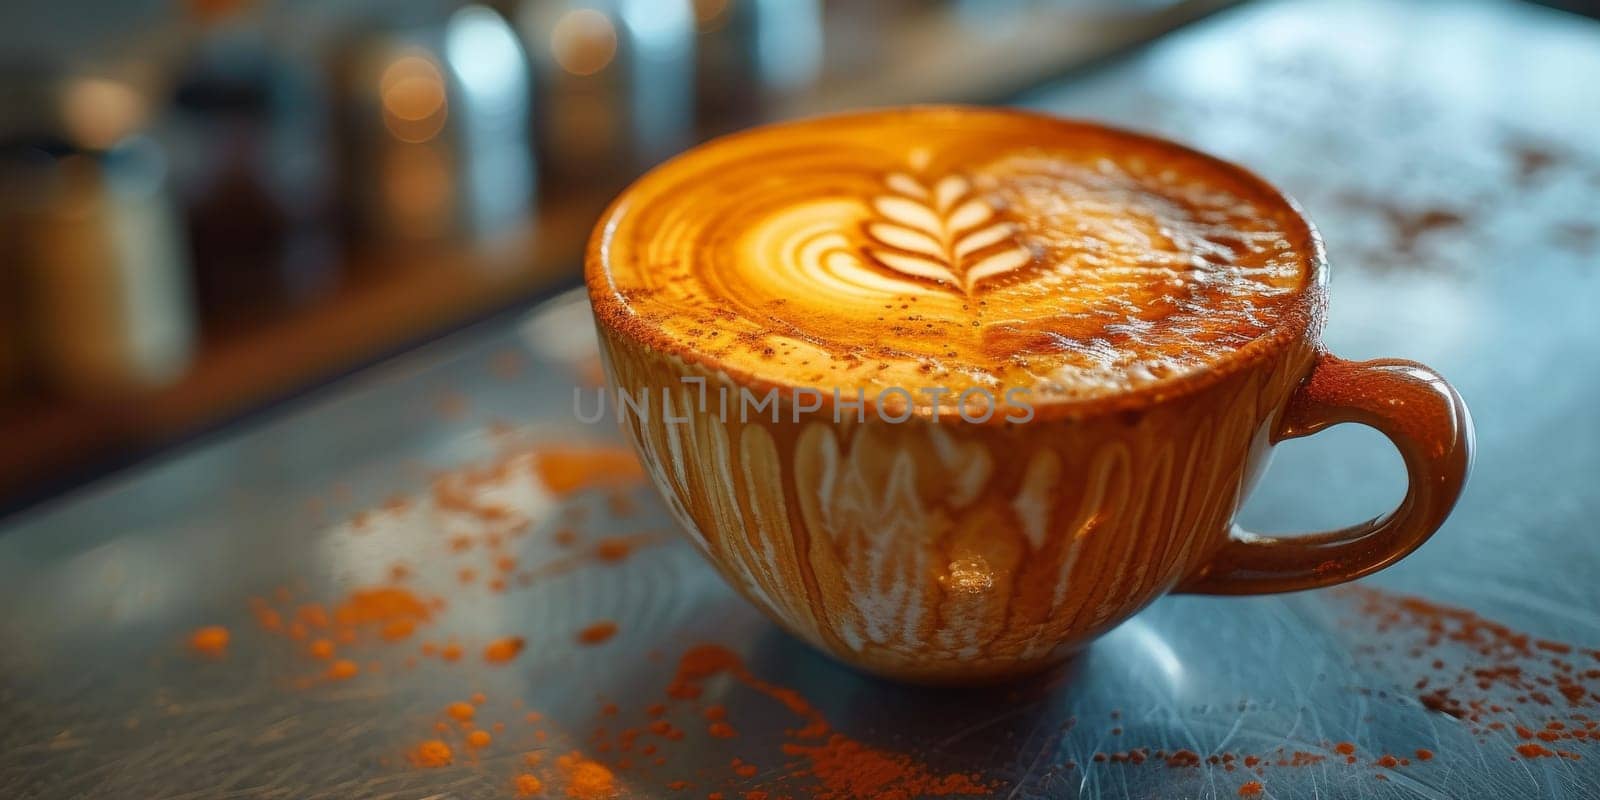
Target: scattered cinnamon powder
{"points": [[463, 712], [501, 651], [1184, 758], [395, 630], [211, 640], [343, 669], [616, 549], [586, 779], [528, 785], [565, 470], [313, 615], [1503, 676], [598, 633], [841, 767], [267, 617], [431, 754], [1534, 751], [847, 769]]}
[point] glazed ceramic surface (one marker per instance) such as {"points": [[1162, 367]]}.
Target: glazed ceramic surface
{"points": [[934, 547]]}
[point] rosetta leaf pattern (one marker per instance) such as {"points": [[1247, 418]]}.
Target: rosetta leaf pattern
{"points": [[942, 232]]}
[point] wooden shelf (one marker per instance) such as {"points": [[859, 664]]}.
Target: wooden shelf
{"points": [[391, 302]]}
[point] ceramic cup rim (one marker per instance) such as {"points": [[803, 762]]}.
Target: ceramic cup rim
{"points": [[1302, 318]]}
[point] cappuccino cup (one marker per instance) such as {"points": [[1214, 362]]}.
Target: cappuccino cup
{"points": [[950, 392]]}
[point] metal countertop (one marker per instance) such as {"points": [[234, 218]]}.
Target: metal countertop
{"points": [[1449, 155]]}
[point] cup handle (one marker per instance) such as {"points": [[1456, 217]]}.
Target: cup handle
{"points": [[1427, 422]]}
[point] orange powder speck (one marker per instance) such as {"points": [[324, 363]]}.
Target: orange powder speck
{"points": [[613, 549], [313, 614], [568, 470], [598, 632], [1251, 789], [500, 651], [381, 606], [532, 717], [1424, 755], [586, 780], [1344, 748], [321, 648], [461, 711], [847, 769], [1531, 750], [479, 739], [399, 572], [267, 618], [497, 584], [450, 652], [211, 640], [716, 713], [528, 785], [722, 730], [703, 661], [399, 629], [430, 754], [478, 698], [505, 563], [343, 669]]}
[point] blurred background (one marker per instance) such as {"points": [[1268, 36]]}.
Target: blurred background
{"points": [[213, 205]]}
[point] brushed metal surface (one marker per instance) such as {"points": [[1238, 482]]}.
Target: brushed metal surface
{"points": [[1456, 178]]}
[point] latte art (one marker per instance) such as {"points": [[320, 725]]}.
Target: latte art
{"points": [[956, 248], [942, 233]]}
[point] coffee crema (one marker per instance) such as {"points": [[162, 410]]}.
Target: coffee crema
{"points": [[955, 248]]}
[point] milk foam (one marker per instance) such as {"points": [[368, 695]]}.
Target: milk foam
{"points": [[955, 248]]}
